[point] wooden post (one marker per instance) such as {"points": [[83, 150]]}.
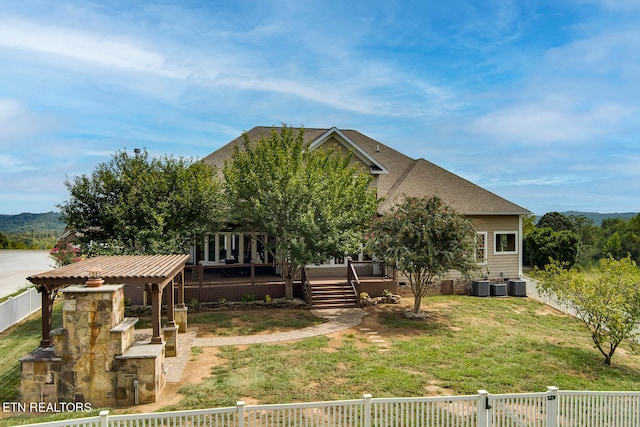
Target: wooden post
{"points": [[156, 297], [180, 303], [253, 273], [47, 309], [170, 306]]}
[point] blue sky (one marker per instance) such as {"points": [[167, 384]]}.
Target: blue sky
{"points": [[536, 101]]}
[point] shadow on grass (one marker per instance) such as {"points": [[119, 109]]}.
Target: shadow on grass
{"points": [[578, 368], [435, 322]]}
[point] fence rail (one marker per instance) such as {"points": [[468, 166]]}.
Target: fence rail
{"points": [[554, 408], [18, 308]]}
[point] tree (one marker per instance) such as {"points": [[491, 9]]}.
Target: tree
{"points": [[621, 237], [555, 221], [425, 239], [528, 223], [315, 203], [143, 205], [4, 241], [544, 243], [606, 300], [588, 234]]}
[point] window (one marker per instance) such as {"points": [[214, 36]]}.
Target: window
{"points": [[481, 247], [506, 242]]}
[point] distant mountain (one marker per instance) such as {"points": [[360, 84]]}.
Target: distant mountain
{"points": [[28, 222], [598, 217], [51, 221]]}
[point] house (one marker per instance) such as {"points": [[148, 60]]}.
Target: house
{"points": [[497, 221]]}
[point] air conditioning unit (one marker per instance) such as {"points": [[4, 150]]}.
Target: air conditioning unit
{"points": [[498, 289], [480, 288], [517, 288]]}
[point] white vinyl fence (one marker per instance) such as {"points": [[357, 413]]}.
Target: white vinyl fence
{"points": [[18, 308], [554, 408]]}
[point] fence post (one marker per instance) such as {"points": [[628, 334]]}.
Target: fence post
{"points": [[552, 406], [240, 406], [104, 418], [483, 408], [367, 409]]}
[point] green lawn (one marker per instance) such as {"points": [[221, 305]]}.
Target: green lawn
{"points": [[503, 345]]}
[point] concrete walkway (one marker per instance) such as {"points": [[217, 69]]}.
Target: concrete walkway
{"points": [[339, 319]]}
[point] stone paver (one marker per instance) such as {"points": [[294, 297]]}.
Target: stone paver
{"points": [[175, 365]]}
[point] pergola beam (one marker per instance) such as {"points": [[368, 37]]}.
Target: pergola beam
{"points": [[158, 271]]}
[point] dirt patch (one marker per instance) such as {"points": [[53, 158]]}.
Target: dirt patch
{"points": [[197, 369]]}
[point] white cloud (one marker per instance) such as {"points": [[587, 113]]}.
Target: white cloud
{"points": [[550, 122], [100, 49], [9, 110], [616, 5], [12, 164], [15, 122]]}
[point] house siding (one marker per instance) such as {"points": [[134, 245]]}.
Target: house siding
{"points": [[505, 265], [509, 264]]}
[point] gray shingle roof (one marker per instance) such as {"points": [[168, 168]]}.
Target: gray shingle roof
{"points": [[405, 176]]}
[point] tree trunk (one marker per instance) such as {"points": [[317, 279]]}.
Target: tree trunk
{"points": [[417, 302], [289, 273], [288, 287]]}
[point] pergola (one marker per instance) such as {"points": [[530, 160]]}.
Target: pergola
{"points": [[153, 271]]}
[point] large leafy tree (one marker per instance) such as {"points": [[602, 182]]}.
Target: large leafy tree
{"points": [[137, 204], [425, 239], [555, 221], [543, 244], [315, 203], [606, 300]]}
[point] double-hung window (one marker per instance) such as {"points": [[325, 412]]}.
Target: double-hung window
{"points": [[481, 247]]}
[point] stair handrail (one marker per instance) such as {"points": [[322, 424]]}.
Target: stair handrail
{"points": [[352, 278]]}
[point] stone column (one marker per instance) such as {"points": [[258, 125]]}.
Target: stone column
{"points": [[171, 341], [181, 319]]}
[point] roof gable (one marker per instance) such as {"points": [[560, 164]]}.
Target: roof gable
{"points": [[375, 167]]}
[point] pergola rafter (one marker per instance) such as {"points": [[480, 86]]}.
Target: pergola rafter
{"points": [[153, 271]]}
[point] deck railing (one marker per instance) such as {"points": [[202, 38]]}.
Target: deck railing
{"points": [[369, 269], [227, 274], [549, 409], [252, 273]]}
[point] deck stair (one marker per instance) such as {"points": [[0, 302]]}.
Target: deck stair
{"points": [[332, 294]]}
